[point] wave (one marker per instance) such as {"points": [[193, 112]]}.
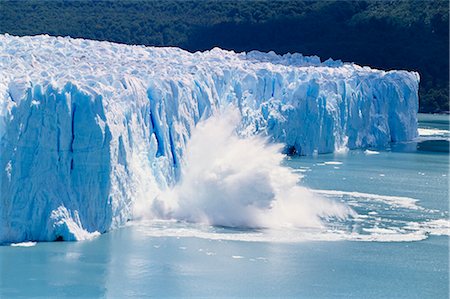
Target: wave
{"points": [[433, 132]]}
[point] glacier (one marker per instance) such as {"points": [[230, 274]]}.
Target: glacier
{"points": [[87, 128]]}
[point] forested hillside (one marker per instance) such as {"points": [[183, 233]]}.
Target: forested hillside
{"points": [[412, 35]]}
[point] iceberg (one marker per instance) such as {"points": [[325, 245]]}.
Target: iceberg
{"points": [[87, 128]]}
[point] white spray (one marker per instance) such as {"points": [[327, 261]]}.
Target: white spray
{"points": [[239, 182]]}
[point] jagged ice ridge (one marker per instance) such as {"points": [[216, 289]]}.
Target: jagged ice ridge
{"points": [[84, 123]]}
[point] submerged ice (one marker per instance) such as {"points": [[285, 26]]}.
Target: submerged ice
{"points": [[91, 132]]}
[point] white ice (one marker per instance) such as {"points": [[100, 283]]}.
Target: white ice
{"points": [[91, 130]]}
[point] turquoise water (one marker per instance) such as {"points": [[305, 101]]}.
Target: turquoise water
{"points": [[397, 246]]}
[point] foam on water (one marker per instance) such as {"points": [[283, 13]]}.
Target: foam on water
{"points": [[395, 201], [376, 231]]}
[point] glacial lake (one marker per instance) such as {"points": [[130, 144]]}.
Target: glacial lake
{"points": [[397, 246]]}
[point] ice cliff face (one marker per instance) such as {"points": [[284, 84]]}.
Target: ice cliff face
{"points": [[84, 123]]}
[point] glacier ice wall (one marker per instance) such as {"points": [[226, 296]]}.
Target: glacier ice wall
{"points": [[88, 127]]}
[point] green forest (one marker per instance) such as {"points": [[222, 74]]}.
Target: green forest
{"points": [[411, 35]]}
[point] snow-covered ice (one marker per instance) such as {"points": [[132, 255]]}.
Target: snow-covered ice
{"points": [[87, 127]]}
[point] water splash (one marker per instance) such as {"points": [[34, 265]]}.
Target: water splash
{"points": [[231, 181]]}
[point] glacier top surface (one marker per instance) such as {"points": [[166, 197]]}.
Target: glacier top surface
{"points": [[57, 60]]}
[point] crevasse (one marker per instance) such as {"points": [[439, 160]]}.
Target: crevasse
{"points": [[83, 124]]}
